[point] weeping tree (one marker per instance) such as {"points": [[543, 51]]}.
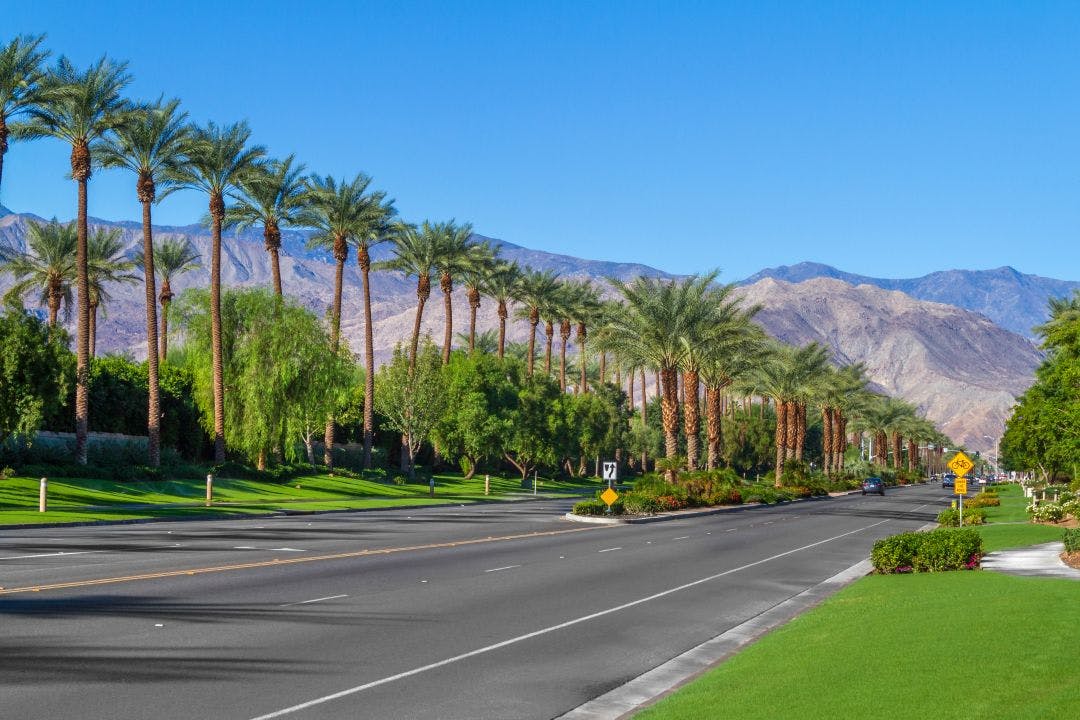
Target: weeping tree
{"points": [[279, 369], [411, 395]]}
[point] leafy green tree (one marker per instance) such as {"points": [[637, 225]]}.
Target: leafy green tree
{"points": [[411, 396], [481, 398], [35, 370], [539, 426], [600, 421]]}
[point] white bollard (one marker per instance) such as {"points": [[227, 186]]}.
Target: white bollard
{"points": [[487, 484], [209, 489], [43, 499]]}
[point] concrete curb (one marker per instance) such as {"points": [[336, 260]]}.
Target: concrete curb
{"points": [[651, 686]]}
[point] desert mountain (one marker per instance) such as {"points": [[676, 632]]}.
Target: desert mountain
{"points": [[1012, 299], [962, 369]]}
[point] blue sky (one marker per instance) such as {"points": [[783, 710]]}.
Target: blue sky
{"points": [[886, 139]]}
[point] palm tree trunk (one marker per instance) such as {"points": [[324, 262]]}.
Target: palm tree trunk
{"points": [[335, 335], [164, 338], [369, 358], [503, 314], [532, 345], [841, 440], [153, 414], [644, 421], [56, 297], [80, 166], [826, 440], [713, 415], [669, 410], [275, 269], [691, 419], [3, 145], [423, 290], [549, 329], [217, 213], [898, 451], [474, 305], [447, 284], [912, 455], [93, 329], [800, 429], [564, 334], [581, 338], [780, 439]]}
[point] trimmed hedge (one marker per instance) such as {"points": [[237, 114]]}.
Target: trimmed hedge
{"points": [[935, 551], [597, 507], [1072, 540], [950, 517]]}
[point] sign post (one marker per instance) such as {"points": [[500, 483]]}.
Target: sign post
{"points": [[609, 496], [611, 471], [961, 465]]}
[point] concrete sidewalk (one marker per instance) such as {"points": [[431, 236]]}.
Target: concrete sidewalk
{"points": [[1033, 561]]}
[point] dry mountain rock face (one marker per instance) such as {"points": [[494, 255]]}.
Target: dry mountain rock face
{"points": [[961, 368]]}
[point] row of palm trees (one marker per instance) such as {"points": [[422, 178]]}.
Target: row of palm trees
{"points": [[691, 330]]}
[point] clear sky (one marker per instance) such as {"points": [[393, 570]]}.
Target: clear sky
{"points": [[889, 139]]}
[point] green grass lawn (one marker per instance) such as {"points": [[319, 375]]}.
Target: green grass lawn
{"points": [[941, 645], [1007, 525], [79, 500]]}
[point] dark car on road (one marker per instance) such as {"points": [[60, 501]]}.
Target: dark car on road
{"points": [[949, 480], [873, 485]]}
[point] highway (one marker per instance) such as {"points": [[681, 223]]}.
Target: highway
{"points": [[493, 611]]}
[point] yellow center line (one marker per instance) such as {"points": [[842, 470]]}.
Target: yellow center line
{"points": [[289, 561]]}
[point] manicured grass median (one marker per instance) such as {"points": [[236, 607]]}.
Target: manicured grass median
{"points": [[942, 645], [79, 500]]}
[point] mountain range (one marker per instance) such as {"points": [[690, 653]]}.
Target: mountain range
{"points": [[955, 343]]}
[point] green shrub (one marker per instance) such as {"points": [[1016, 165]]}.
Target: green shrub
{"points": [[636, 503], [1072, 540], [950, 517], [1047, 512], [935, 551], [598, 507], [6, 473], [983, 499]]}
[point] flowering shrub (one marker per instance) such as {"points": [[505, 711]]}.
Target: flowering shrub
{"points": [[1047, 512], [983, 499]]}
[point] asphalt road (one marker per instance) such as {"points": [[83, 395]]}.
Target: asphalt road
{"points": [[497, 611]]}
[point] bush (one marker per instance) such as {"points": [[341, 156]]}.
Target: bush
{"points": [[950, 517], [1047, 512], [935, 551], [1072, 540], [636, 503], [6, 473], [983, 499], [598, 507]]}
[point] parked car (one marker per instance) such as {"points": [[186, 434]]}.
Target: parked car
{"points": [[948, 480], [873, 485]]}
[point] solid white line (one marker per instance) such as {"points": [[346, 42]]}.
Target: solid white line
{"points": [[684, 537], [544, 631], [288, 550], [55, 554], [731, 530], [609, 549], [508, 567], [306, 602]]}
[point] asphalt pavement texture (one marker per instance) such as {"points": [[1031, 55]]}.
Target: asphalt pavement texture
{"points": [[483, 611]]}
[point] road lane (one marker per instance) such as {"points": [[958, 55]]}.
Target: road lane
{"points": [[243, 644]]}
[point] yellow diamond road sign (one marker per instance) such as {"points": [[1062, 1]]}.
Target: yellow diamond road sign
{"points": [[609, 496], [961, 464]]}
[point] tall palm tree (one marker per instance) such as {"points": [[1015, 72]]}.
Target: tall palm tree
{"points": [[484, 258], [272, 194], [549, 313], [455, 255], [564, 308], [344, 214], [80, 108], [172, 257], [153, 145], [843, 390], [416, 250], [48, 265], [503, 285], [106, 264], [650, 333], [586, 310], [729, 360], [537, 291], [21, 72], [219, 157]]}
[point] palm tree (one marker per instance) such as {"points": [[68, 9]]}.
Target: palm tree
{"points": [[538, 290], [219, 157], [843, 390], [105, 265], [658, 315], [153, 145], [549, 313], [586, 310], [724, 363], [455, 255], [80, 108], [503, 285], [416, 251], [172, 257], [344, 213], [48, 265], [484, 258], [20, 85], [271, 195], [563, 308]]}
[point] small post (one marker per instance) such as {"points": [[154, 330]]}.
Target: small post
{"points": [[209, 489], [534, 482], [43, 499], [961, 523], [487, 484], [431, 487]]}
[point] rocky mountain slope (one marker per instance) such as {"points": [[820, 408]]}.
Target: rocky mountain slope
{"points": [[959, 367], [1012, 299]]}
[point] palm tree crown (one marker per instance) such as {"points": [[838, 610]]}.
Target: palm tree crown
{"points": [[48, 266], [21, 72]]}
